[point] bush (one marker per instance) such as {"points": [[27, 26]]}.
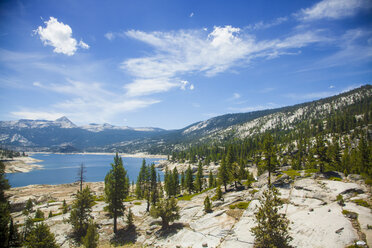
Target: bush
{"points": [[167, 210], [350, 214], [39, 214], [361, 202], [340, 200], [292, 173], [240, 205], [137, 203], [207, 205], [335, 179], [368, 181]]}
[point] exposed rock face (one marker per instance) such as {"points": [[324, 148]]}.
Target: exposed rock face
{"points": [[316, 219]]}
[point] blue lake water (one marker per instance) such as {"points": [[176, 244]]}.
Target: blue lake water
{"points": [[63, 168]]}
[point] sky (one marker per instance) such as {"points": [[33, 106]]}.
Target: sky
{"points": [[170, 63]]}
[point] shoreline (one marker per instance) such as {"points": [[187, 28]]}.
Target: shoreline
{"points": [[22, 164], [129, 155]]}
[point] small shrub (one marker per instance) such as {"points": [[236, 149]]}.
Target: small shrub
{"points": [[335, 179], [340, 200], [137, 203], [369, 227], [129, 199], [253, 191], [368, 181], [361, 202], [51, 201], [207, 205], [311, 171], [39, 214], [350, 214], [99, 198], [292, 173], [240, 205], [37, 219]]}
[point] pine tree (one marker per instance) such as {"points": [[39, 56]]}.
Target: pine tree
{"points": [[130, 218], [90, 240], [141, 180], [182, 181], [28, 226], [199, 178], [116, 188], [210, 180], [80, 213], [50, 214], [272, 227], [4, 208], [270, 156], [250, 179], [14, 237], [218, 192], [189, 180], [39, 214], [320, 151], [207, 205], [176, 182], [153, 185], [223, 174], [167, 210], [64, 207], [28, 207], [41, 237], [234, 174]]}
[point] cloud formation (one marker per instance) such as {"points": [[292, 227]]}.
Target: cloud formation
{"points": [[194, 51], [333, 9], [59, 35], [85, 100]]}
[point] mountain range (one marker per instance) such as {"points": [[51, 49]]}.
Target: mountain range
{"points": [[62, 135]]}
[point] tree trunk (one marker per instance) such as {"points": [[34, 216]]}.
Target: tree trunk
{"points": [[148, 205], [225, 187], [115, 216], [164, 224], [269, 177]]}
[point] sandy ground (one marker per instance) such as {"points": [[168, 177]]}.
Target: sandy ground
{"points": [[21, 164]]}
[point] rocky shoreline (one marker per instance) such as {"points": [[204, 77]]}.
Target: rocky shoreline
{"points": [[21, 164], [310, 203]]}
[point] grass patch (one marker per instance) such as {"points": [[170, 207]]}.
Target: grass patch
{"points": [[240, 205], [292, 173], [361, 202], [311, 171], [99, 198], [335, 179], [279, 176], [130, 198], [51, 201], [137, 203], [189, 197], [368, 181], [253, 191], [350, 214], [37, 219]]}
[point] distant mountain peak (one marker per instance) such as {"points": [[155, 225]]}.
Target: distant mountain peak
{"points": [[65, 122]]}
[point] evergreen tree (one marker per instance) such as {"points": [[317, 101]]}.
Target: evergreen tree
{"points": [[167, 210], [14, 237], [218, 193], [90, 240], [270, 155], [50, 214], [4, 208], [140, 185], [189, 180], [207, 205], [28, 226], [153, 185], [250, 179], [182, 181], [199, 178], [176, 182], [234, 174], [41, 237], [321, 152], [130, 218], [116, 189], [272, 227], [223, 174], [64, 207], [39, 214], [210, 180], [28, 207], [80, 213]]}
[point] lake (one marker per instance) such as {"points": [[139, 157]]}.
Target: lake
{"points": [[63, 168]]}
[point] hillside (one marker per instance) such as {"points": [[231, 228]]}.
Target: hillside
{"points": [[64, 136]]}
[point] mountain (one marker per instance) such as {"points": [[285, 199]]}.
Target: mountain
{"points": [[63, 135]]}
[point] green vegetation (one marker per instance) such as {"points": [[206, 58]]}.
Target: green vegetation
{"points": [[292, 173], [98, 198], [207, 205], [189, 197], [80, 213], [137, 203], [90, 240], [130, 219], [40, 237], [116, 189], [335, 179], [272, 227], [368, 181], [362, 203], [167, 210], [350, 214], [240, 205], [340, 200]]}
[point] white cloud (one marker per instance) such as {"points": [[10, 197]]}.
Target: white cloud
{"points": [[59, 35], [35, 115], [192, 14], [37, 84], [85, 100], [191, 51], [263, 25], [333, 9], [236, 96], [110, 36], [192, 87], [269, 105], [331, 86]]}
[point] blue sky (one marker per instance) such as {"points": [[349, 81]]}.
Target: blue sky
{"points": [[171, 63]]}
